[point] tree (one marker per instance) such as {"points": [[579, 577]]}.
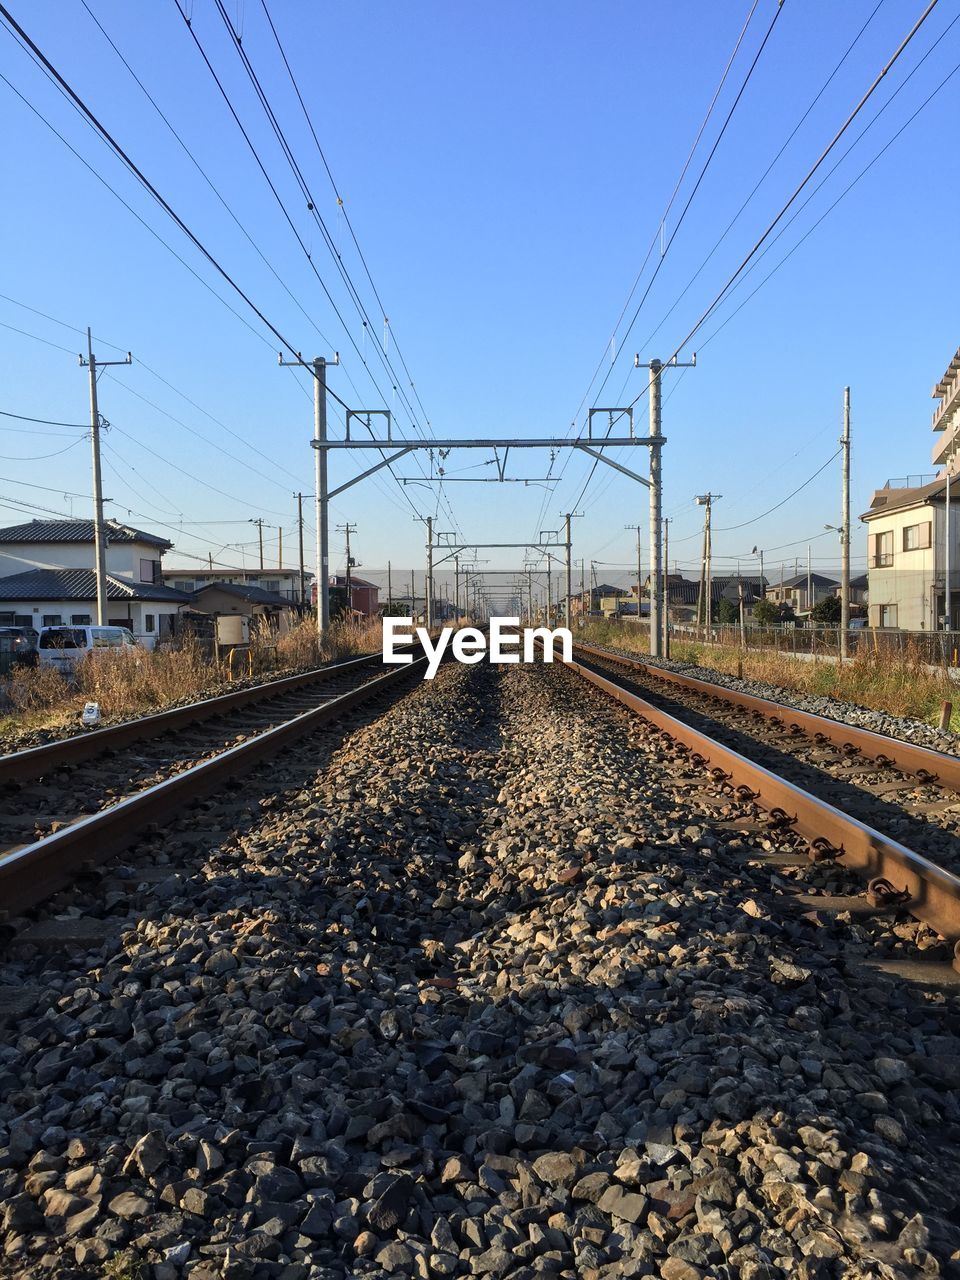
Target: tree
{"points": [[827, 611], [765, 613], [727, 613]]}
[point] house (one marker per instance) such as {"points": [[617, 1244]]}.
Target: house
{"points": [[68, 597], [365, 596], [47, 577], [281, 582], [907, 527], [858, 589], [222, 599], [802, 591], [905, 554], [131, 553]]}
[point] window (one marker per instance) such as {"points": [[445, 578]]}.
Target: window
{"points": [[886, 615], [53, 620], [272, 584], [107, 637], [67, 638], [7, 619], [80, 619], [183, 585], [880, 549], [23, 620], [917, 537], [149, 622], [149, 570]]}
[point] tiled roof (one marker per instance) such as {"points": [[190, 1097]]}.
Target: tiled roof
{"points": [[80, 584], [77, 531], [800, 580], [243, 591], [340, 580]]}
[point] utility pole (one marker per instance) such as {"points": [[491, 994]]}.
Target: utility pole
{"points": [[568, 545], [809, 585], [656, 493], [549, 588], [845, 529], [666, 581], [583, 591], [280, 546], [456, 584], [529, 597], [389, 588], [413, 595], [706, 500], [303, 576], [99, 533], [637, 527], [346, 530], [429, 580], [259, 522], [319, 367]]}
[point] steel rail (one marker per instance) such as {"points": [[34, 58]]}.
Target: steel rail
{"points": [[35, 762], [934, 893], [923, 762], [38, 870]]}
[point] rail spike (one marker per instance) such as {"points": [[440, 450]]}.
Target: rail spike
{"points": [[883, 895]]}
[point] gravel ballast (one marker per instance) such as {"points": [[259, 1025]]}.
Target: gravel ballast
{"points": [[500, 993]]}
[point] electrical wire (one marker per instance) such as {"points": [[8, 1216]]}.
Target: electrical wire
{"points": [[37, 457], [47, 422], [141, 177]]}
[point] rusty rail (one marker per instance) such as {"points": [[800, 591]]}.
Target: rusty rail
{"points": [[35, 762], [934, 893], [908, 757], [39, 870]]}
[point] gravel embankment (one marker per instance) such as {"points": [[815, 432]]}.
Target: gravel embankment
{"points": [[918, 731], [496, 995]]}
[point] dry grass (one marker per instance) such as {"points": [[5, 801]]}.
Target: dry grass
{"points": [[137, 684], [899, 684]]}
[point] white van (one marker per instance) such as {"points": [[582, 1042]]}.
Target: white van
{"points": [[63, 647]]}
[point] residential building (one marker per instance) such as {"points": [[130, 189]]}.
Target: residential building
{"points": [[365, 596], [47, 577], [280, 582], [68, 597], [905, 554], [858, 589], [131, 553], [946, 416], [221, 599], [802, 591]]}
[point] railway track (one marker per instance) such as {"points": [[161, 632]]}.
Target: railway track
{"points": [[809, 774], [501, 982], [70, 805]]}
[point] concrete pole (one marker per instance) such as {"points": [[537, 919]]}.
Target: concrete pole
{"points": [[947, 594], [656, 573], [549, 588], [429, 581], [389, 586], [99, 534], [569, 550], [303, 576], [320, 477], [666, 591], [529, 597], [845, 529], [456, 582], [709, 569]]}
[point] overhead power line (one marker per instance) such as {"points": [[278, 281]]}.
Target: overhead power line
{"points": [[141, 177]]}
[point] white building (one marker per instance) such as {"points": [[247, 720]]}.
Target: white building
{"points": [[280, 582], [47, 578]]}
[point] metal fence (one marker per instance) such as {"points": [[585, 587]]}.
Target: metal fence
{"points": [[931, 648]]}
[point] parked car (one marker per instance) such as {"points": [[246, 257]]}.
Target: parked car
{"points": [[18, 648], [63, 647]]}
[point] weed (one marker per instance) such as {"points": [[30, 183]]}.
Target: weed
{"points": [[123, 1266]]}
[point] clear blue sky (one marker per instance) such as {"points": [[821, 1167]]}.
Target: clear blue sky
{"points": [[505, 168]]}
